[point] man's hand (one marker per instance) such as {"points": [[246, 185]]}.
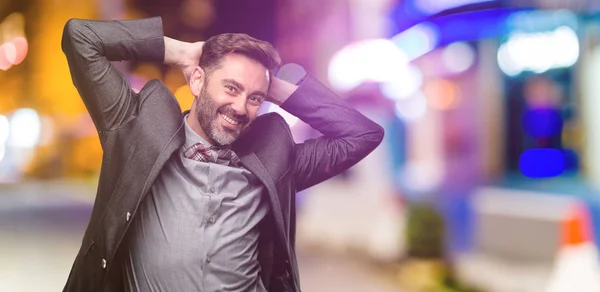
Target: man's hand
{"points": [[183, 55], [194, 51], [280, 91]]}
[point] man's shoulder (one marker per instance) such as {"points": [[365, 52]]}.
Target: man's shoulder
{"points": [[156, 94], [157, 116], [268, 128], [154, 86], [272, 117]]}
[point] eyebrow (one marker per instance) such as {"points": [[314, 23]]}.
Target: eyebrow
{"points": [[241, 87]]}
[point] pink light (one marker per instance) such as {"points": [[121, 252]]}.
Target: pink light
{"points": [[10, 52], [22, 48], [5, 63]]}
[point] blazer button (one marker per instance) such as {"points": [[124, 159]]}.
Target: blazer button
{"points": [[128, 216], [103, 263]]}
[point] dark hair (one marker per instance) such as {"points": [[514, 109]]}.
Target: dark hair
{"points": [[217, 47]]}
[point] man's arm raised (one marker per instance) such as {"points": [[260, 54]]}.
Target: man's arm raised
{"points": [[348, 136], [91, 45]]}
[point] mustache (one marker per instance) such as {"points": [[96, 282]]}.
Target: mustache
{"points": [[230, 112]]}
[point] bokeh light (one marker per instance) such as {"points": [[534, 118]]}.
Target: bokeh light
{"points": [[377, 60], [291, 72], [542, 163], [411, 109], [21, 49], [435, 6], [458, 57], [48, 131], [417, 40], [341, 73], [442, 94], [542, 123], [10, 52], [4, 129], [405, 84], [25, 128], [5, 52], [539, 52], [423, 176], [506, 63]]}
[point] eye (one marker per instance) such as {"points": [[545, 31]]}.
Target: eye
{"points": [[255, 99], [230, 88]]}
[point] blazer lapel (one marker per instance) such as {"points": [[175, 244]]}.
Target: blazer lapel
{"points": [[173, 145], [253, 164]]}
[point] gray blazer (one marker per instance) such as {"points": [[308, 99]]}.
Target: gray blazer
{"points": [[140, 131]]}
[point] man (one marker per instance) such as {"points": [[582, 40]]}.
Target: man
{"points": [[204, 200]]}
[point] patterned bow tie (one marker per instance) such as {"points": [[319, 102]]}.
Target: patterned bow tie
{"points": [[219, 155]]}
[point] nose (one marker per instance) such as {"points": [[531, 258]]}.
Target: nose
{"points": [[239, 105]]}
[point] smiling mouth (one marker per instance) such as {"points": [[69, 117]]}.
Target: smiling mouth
{"points": [[230, 120]]}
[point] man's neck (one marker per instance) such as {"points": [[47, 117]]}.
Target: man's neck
{"points": [[192, 121]]}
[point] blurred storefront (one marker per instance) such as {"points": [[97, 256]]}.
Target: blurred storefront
{"points": [[473, 95]]}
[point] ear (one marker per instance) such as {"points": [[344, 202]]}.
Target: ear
{"points": [[197, 80]]}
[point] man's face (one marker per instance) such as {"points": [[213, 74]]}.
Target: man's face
{"points": [[229, 100]]}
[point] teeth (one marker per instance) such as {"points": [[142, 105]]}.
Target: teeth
{"points": [[229, 120]]}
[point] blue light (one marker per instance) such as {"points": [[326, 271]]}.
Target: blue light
{"points": [[426, 36], [417, 40], [436, 6], [532, 21], [542, 123], [473, 25], [571, 160], [542, 163]]}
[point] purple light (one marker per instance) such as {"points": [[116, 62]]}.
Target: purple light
{"points": [[435, 6], [542, 123]]}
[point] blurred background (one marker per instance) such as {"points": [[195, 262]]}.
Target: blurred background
{"points": [[488, 178]]}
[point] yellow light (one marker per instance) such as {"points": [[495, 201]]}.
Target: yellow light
{"points": [[184, 96], [12, 26]]}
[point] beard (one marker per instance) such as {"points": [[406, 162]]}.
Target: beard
{"points": [[208, 114]]}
